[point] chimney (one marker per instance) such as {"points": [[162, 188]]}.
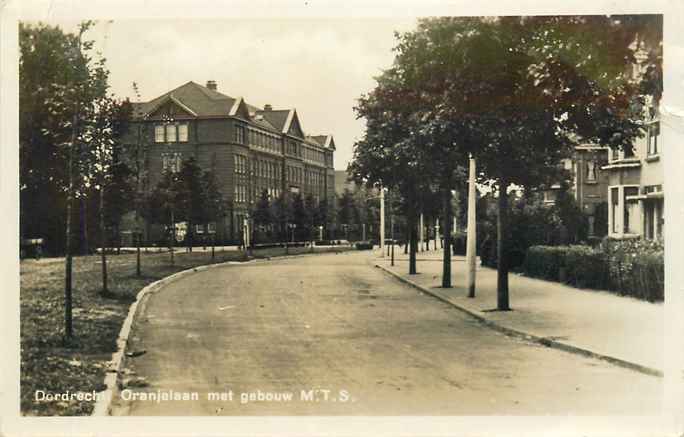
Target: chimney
{"points": [[211, 84], [268, 107]]}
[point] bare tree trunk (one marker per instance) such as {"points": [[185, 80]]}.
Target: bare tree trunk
{"points": [[85, 250], [448, 217], [103, 242], [502, 301], [68, 261], [68, 323]]}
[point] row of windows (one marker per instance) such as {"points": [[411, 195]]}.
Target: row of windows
{"points": [[271, 190], [171, 133], [314, 155], [209, 229], [294, 174], [266, 169], [264, 141]]}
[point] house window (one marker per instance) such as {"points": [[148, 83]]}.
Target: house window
{"points": [[653, 134], [170, 133], [631, 211], [159, 133], [199, 229], [591, 171], [211, 228], [614, 154], [183, 133]]}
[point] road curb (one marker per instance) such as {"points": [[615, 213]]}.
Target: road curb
{"points": [[544, 341], [103, 405]]}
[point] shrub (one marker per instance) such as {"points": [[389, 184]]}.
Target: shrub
{"points": [[632, 268]]}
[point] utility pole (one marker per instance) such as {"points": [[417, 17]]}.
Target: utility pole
{"points": [[392, 228], [382, 221], [471, 248], [421, 234]]}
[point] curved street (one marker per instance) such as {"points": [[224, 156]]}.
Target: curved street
{"points": [[343, 338]]}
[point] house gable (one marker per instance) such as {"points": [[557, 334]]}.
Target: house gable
{"points": [[240, 109], [293, 126], [172, 108]]}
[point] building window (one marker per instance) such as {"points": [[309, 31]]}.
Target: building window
{"points": [[240, 164], [240, 134], [631, 211], [199, 229], [183, 133], [591, 171], [653, 134], [171, 162], [159, 133], [170, 133]]}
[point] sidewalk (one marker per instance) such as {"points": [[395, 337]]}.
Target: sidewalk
{"points": [[602, 323]]}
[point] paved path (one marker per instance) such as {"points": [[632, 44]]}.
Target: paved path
{"points": [[332, 322], [618, 326]]}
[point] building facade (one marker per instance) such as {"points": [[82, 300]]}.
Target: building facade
{"points": [[636, 177], [589, 182], [250, 150], [636, 187]]}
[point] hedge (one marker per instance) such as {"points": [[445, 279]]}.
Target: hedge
{"points": [[627, 268]]}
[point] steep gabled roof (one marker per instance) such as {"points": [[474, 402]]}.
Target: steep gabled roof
{"points": [[324, 140], [199, 100], [292, 125], [276, 118]]}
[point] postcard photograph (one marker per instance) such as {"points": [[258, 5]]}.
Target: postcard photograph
{"points": [[432, 216]]}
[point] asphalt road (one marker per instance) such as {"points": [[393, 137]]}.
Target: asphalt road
{"points": [[369, 344]]}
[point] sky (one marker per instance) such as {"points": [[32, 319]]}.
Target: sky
{"points": [[318, 66]]}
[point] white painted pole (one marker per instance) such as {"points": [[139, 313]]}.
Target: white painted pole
{"points": [[421, 233], [382, 222], [471, 248]]}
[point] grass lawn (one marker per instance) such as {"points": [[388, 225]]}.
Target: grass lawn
{"points": [[46, 363]]}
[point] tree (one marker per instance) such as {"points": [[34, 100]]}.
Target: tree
{"points": [[51, 63], [136, 160], [162, 204], [191, 201], [311, 207], [262, 211], [62, 90], [393, 152], [300, 216], [109, 175], [520, 91], [281, 211], [214, 207]]}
